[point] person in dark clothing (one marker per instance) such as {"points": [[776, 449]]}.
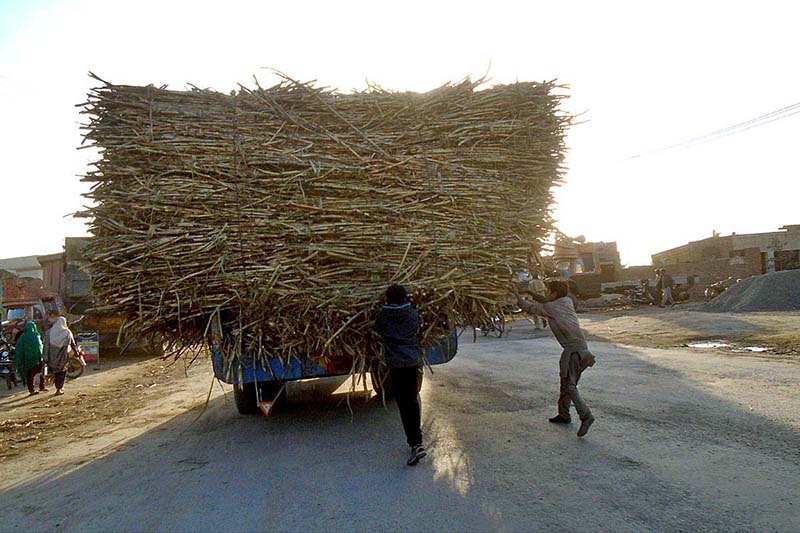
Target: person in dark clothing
{"points": [[28, 356], [659, 285], [398, 325], [667, 283]]}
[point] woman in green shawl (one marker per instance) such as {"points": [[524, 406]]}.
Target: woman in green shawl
{"points": [[28, 355]]}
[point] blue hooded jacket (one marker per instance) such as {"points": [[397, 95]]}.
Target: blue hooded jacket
{"points": [[398, 326]]}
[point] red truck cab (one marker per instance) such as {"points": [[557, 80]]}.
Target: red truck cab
{"points": [[18, 313]]}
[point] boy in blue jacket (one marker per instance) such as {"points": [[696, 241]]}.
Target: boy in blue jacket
{"points": [[398, 325]]}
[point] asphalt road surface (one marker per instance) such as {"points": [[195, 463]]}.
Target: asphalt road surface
{"points": [[684, 441]]}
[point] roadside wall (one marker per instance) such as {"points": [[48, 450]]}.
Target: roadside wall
{"points": [[744, 264], [17, 289], [638, 272]]}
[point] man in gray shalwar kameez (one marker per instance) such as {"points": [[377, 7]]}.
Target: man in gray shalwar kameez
{"points": [[557, 306]]}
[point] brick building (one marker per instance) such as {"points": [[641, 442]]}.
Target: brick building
{"points": [[739, 256], [778, 250], [24, 267], [48, 268]]}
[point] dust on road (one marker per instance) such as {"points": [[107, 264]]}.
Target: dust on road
{"points": [[94, 406], [683, 441]]}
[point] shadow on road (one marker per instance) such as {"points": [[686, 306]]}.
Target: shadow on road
{"points": [[664, 455], [310, 466]]}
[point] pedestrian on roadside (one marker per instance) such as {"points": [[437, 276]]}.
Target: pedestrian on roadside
{"points": [[537, 287], [28, 356], [58, 343], [399, 327], [647, 291], [666, 285], [659, 286], [557, 306]]}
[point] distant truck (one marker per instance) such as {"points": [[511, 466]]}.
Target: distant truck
{"points": [[77, 297], [18, 313], [24, 299]]}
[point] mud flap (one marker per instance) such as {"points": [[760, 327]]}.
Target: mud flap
{"points": [[266, 405]]}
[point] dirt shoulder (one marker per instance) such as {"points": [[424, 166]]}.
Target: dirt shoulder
{"points": [[665, 328], [108, 404]]}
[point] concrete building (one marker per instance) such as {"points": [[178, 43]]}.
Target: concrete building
{"points": [[23, 267], [78, 283], [777, 250], [62, 273], [48, 268], [739, 256]]}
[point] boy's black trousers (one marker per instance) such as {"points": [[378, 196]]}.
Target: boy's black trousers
{"points": [[406, 383]]}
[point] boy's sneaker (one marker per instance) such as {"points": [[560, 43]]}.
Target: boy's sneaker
{"points": [[417, 453], [558, 419], [585, 423]]}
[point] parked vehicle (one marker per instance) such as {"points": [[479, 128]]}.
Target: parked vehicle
{"points": [[715, 289], [75, 366], [644, 294], [21, 311], [8, 369]]}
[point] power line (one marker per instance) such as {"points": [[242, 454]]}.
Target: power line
{"points": [[750, 123], [727, 131], [762, 123]]}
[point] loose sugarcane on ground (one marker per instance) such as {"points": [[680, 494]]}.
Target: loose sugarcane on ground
{"points": [[283, 213]]}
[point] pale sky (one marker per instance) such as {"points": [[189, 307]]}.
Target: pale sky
{"points": [[646, 74]]}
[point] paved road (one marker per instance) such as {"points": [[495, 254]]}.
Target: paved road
{"points": [[684, 441]]}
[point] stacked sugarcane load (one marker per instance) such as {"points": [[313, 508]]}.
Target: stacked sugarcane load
{"points": [[282, 214]]}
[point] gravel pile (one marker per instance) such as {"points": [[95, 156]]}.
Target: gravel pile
{"points": [[779, 291]]}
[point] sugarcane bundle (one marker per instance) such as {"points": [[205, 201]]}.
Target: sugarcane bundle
{"points": [[284, 213]]}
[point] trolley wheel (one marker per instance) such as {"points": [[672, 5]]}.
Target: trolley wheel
{"points": [[245, 399]]}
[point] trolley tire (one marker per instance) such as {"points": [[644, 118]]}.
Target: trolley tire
{"points": [[245, 399]]}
